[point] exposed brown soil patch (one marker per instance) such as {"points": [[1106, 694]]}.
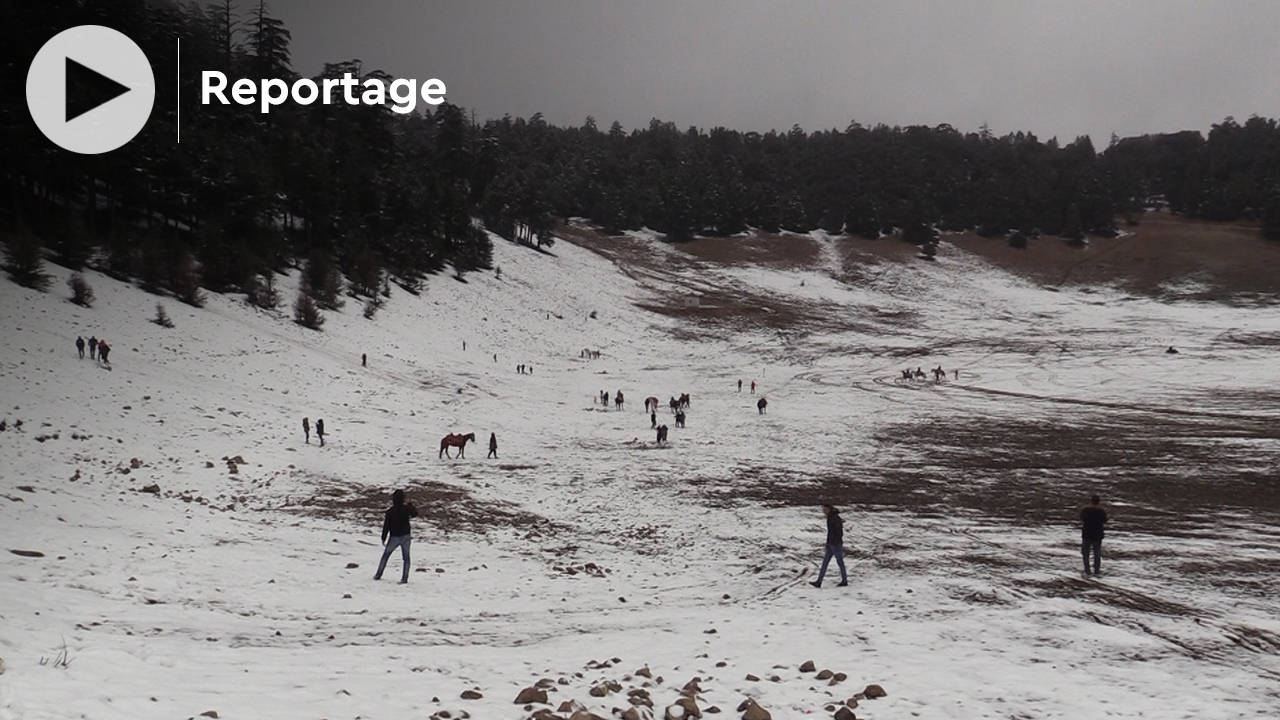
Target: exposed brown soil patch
{"points": [[1164, 250], [446, 507]]}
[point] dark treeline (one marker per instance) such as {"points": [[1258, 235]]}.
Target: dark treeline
{"points": [[360, 196]]}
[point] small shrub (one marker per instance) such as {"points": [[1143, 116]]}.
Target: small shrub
{"points": [[184, 280], [162, 317], [305, 311], [260, 291], [1018, 240], [81, 293], [371, 307]]}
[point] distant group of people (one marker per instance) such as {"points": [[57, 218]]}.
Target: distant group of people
{"points": [[99, 350], [938, 374], [306, 430], [753, 386], [524, 369]]}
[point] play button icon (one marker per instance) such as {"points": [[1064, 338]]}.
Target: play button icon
{"points": [[90, 89], [87, 89]]}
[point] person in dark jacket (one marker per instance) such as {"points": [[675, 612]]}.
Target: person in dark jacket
{"points": [[493, 445], [306, 429], [93, 347], [80, 346], [320, 430], [1092, 518], [835, 546], [103, 350], [395, 533]]}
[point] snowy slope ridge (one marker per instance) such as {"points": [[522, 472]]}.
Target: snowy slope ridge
{"points": [[196, 555]]}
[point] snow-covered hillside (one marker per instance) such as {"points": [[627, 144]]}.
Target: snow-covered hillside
{"points": [[587, 552]]}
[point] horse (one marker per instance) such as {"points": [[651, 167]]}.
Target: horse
{"points": [[650, 404], [458, 441], [618, 400], [680, 419], [683, 400], [762, 405], [674, 405], [662, 434]]}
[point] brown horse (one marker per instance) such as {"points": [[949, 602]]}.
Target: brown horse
{"points": [[650, 404], [458, 441]]}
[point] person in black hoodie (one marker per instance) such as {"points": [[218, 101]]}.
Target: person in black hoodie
{"points": [[835, 546], [1092, 518], [493, 445], [395, 533]]}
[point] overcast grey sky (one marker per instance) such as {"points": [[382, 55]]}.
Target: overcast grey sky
{"points": [[1054, 68]]}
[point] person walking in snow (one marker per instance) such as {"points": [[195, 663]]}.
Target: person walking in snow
{"points": [[493, 445], [364, 360], [80, 346], [93, 348], [306, 429], [103, 349], [835, 546], [320, 430], [1092, 518], [653, 419], [739, 385], [753, 387], [395, 531]]}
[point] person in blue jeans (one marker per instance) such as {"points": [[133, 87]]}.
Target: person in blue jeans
{"points": [[835, 546], [395, 533]]}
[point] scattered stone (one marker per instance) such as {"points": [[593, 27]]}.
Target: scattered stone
{"points": [[346, 596], [531, 695], [208, 463], [584, 715], [808, 666], [845, 713], [474, 695], [570, 706], [645, 672], [690, 707], [839, 677], [752, 711], [824, 675], [545, 683], [874, 691], [210, 714], [711, 631], [714, 710], [153, 488], [28, 553], [352, 566], [752, 678], [135, 463], [26, 488]]}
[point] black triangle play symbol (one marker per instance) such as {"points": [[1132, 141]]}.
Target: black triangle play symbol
{"points": [[87, 89]]}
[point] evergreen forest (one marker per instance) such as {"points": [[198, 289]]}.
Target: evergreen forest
{"points": [[360, 197]]}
